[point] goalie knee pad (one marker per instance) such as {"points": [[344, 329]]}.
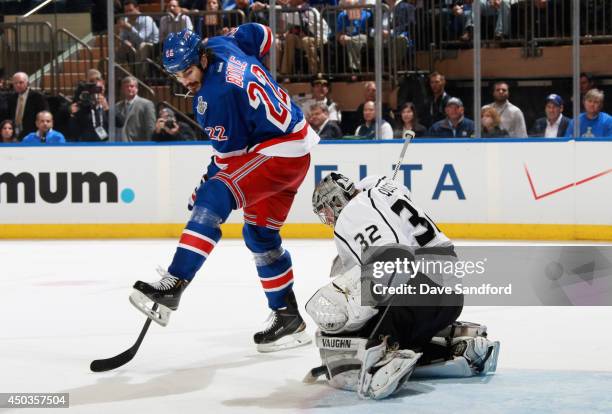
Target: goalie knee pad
{"points": [[336, 307], [369, 368]]}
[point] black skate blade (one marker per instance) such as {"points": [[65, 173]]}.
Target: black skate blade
{"points": [[108, 364]]}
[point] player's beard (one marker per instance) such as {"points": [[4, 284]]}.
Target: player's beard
{"points": [[193, 87]]}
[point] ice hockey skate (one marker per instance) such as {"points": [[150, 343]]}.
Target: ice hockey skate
{"points": [[166, 293], [285, 329]]}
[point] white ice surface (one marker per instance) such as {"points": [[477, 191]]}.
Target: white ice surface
{"points": [[64, 303]]}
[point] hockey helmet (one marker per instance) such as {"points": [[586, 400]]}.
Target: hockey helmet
{"points": [[181, 50], [331, 195]]}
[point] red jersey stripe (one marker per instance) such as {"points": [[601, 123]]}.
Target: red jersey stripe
{"points": [[277, 282], [196, 242]]}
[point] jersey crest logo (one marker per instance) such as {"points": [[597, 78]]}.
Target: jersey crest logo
{"points": [[202, 105]]}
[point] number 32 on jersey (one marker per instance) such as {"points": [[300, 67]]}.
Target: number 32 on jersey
{"points": [[277, 106]]}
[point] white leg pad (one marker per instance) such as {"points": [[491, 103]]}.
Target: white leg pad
{"points": [[478, 357], [391, 373]]}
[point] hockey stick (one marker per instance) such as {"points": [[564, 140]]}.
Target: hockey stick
{"points": [[101, 365], [408, 136]]}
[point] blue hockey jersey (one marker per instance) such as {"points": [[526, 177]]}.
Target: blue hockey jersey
{"points": [[241, 107]]}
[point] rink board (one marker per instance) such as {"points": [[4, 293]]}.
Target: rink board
{"points": [[521, 189]]}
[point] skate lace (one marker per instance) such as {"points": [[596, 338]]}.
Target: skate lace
{"points": [[166, 282], [270, 321]]}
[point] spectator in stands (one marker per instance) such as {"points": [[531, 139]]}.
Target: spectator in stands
{"points": [[490, 121], [24, 104], [498, 8], [89, 113], [244, 6], [320, 94], [554, 124], [174, 21], [404, 17], [404, 22], [410, 122], [455, 125], [138, 35], [136, 115], [7, 132], [253, 12], [586, 84], [318, 117], [168, 128], [352, 32], [437, 102], [593, 122], [321, 3], [368, 128], [370, 95], [512, 119], [454, 11], [94, 75], [212, 24], [305, 30], [44, 131]]}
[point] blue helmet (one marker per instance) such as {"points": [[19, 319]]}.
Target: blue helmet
{"points": [[181, 50]]}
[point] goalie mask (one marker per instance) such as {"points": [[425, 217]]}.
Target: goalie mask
{"points": [[330, 196]]}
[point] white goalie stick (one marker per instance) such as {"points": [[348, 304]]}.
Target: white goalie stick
{"points": [[408, 137]]}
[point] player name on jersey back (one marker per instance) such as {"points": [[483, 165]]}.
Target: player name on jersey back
{"points": [[382, 214]]}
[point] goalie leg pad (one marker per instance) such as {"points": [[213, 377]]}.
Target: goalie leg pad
{"points": [[471, 356], [336, 307], [480, 353], [372, 370], [391, 373]]}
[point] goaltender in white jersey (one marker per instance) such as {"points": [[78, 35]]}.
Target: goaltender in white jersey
{"points": [[373, 350], [380, 214]]}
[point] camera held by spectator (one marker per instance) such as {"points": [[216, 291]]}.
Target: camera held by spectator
{"points": [[89, 112], [168, 128], [87, 94]]}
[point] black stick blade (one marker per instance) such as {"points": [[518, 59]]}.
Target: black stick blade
{"points": [[101, 365]]}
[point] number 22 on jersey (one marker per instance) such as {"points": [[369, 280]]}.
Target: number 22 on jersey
{"points": [[277, 106]]}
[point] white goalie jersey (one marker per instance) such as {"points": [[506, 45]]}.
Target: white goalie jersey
{"points": [[382, 213]]}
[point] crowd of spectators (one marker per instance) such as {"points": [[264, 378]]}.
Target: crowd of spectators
{"points": [[441, 115], [312, 33], [304, 29], [27, 118]]}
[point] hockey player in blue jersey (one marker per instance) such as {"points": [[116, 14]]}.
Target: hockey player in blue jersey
{"points": [[261, 144]]}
